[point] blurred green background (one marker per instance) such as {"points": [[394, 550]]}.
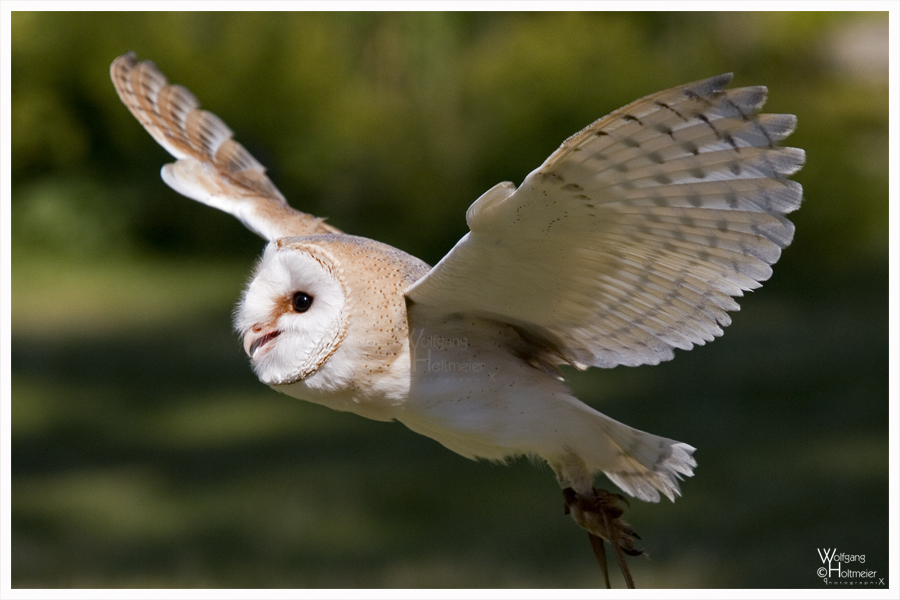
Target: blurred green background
{"points": [[145, 452]]}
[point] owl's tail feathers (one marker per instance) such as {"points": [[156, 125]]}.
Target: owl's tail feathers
{"points": [[640, 463]]}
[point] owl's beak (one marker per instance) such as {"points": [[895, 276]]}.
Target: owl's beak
{"points": [[255, 340]]}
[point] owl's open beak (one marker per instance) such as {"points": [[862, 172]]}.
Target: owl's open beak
{"points": [[253, 341]]}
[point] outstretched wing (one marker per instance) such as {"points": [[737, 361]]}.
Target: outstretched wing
{"points": [[633, 237], [212, 168]]}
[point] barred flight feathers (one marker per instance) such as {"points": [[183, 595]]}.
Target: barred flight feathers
{"points": [[212, 168], [634, 236]]}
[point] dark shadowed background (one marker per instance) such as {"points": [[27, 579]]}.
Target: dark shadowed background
{"points": [[146, 454]]}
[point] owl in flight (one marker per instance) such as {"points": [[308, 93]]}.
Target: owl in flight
{"points": [[630, 240]]}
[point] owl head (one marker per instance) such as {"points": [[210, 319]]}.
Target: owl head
{"points": [[327, 313], [293, 315]]}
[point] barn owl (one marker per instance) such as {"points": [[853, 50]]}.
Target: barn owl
{"points": [[630, 240]]}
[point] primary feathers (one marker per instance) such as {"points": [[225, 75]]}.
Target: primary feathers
{"points": [[212, 168]]}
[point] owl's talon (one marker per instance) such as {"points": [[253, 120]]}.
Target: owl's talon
{"points": [[598, 514]]}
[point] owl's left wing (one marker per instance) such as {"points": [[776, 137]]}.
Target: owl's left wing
{"points": [[212, 168], [633, 237]]}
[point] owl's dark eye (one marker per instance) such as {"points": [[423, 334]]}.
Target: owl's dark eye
{"points": [[301, 301]]}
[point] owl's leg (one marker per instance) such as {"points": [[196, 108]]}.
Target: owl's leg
{"points": [[600, 552], [599, 515]]}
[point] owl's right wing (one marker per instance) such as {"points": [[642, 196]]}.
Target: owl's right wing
{"points": [[211, 168], [633, 237]]}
